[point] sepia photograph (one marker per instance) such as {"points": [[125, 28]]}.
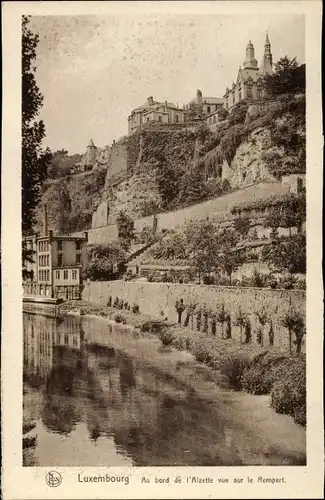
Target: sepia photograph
{"points": [[164, 240]]}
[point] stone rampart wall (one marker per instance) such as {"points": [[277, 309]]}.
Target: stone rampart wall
{"points": [[158, 300], [174, 219]]}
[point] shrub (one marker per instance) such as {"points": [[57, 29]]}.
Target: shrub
{"points": [[288, 394], [135, 308], [153, 326], [166, 337], [119, 318], [233, 368]]}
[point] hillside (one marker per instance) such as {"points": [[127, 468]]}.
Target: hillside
{"points": [[167, 168]]}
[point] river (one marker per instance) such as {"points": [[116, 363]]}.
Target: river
{"points": [[96, 395]]}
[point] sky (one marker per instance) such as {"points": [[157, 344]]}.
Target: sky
{"points": [[93, 70]]}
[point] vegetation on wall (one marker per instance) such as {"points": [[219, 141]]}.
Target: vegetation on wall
{"points": [[72, 201], [62, 164]]}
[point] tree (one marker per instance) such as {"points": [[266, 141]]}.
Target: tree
{"points": [[125, 228], [273, 220], [288, 78], [192, 186], [242, 225], [104, 262], [201, 243], [35, 160], [288, 254], [229, 259]]}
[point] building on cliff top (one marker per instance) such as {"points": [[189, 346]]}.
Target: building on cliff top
{"points": [[93, 157], [246, 86], [155, 111], [202, 105]]}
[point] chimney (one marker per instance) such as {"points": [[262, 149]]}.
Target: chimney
{"points": [[45, 221], [150, 101], [199, 98]]}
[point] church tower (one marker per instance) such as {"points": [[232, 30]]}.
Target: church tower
{"points": [[250, 61], [266, 65]]}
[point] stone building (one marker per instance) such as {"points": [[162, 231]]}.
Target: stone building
{"points": [[57, 263], [203, 105], [155, 111], [246, 86]]}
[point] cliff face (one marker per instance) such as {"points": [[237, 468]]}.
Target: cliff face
{"points": [[166, 168]]}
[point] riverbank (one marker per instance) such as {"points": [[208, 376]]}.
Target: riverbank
{"points": [[246, 367]]}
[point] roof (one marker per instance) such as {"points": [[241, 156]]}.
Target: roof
{"points": [[91, 143], [154, 105], [213, 100]]}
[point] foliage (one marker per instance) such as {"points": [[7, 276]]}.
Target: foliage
{"points": [[242, 225], [135, 308], [192, 187], [104, 261], [62, 164], [119, 318], [231, 140], [287, 254], [35, 160], [202, 244], [287, 78], [149, 206], [288, 394], [294, 322], [166, 337], [71, 202], [293, 202], [232, 368], [125, 229], [238, 113]]}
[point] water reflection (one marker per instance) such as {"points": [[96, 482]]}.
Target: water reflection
{"points": [[88, 403]]}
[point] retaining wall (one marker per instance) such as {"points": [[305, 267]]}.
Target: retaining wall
{"points": [[176, 218], [158, 300]]}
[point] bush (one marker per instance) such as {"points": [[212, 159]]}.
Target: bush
{"points": [[155, 327], [166, 337], [288, 395], [135, 308], [119, 318], [233, 368]]}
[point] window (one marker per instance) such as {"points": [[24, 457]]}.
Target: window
{"points": [[60, 259], [226, 104], [74, 274], [249, 92], [65, 275], [57, 275], [47, 260], [214, 119], [209, 109], [148, 119], [159, 118], [177, 118], [47, 275], [59, 246], [39, 260], [78, 258], [78, 245], [40, 275]]}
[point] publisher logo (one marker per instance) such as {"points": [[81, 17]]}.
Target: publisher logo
{"points": [[53, 479]]}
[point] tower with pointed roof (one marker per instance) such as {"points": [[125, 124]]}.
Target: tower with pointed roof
{"points": [[246, 86], [250, 61], [266, 64]]}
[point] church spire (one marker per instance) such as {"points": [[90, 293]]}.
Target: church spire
{"points": [[266, 65], [250, 61]]}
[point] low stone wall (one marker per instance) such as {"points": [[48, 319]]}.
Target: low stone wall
{"points": [[158, 300]]}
